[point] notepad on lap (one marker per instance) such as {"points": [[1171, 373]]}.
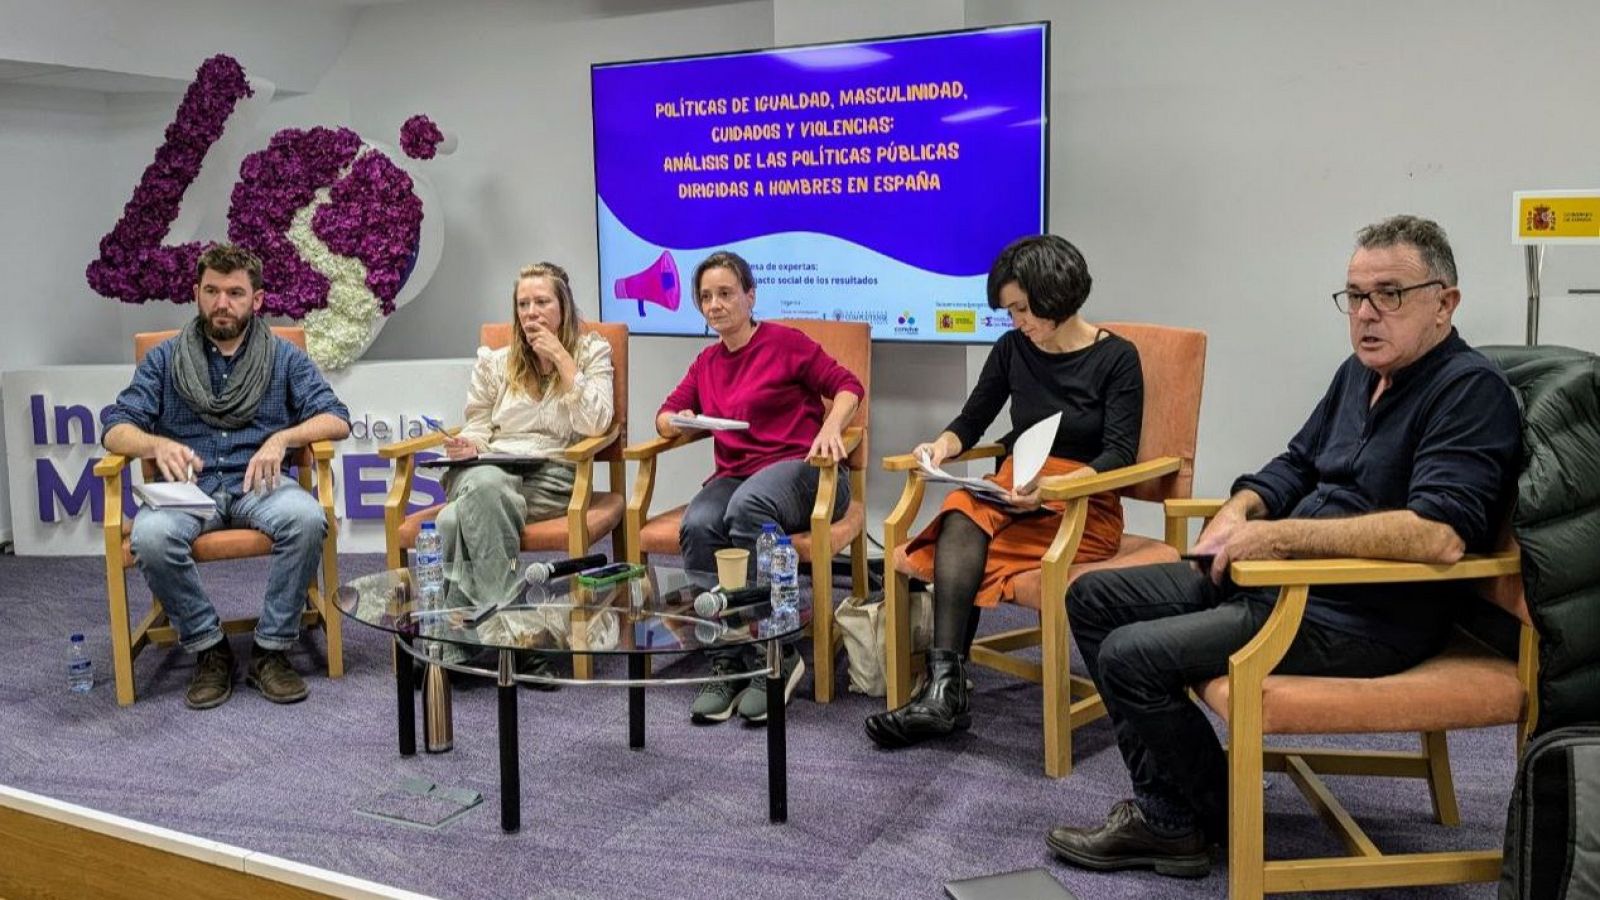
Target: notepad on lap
{"points": [[706, 423], [1026, 884], [182, 496]]}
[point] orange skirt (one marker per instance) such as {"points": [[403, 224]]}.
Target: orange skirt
{"points": [[1016, 543]]}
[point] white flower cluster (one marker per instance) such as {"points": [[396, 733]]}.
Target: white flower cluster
{"points": [[339, 333]]}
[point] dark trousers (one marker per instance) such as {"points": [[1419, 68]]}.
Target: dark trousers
{"points": [[1147, 633]]}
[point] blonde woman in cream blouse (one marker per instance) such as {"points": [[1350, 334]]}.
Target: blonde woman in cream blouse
{"points": [[548, 388]]}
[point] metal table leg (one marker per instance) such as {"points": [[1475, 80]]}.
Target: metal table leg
{"points": [[777, 747], [406, 704], [510, 776], [637, 671]]}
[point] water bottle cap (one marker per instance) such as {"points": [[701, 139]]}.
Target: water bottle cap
{"points": [[784, 540], [76, 638], [429, 526], [769, 527]]}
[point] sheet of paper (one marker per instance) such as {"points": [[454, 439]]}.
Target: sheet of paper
{"points": [[707, 423], [1032, 449], [934, 473]]}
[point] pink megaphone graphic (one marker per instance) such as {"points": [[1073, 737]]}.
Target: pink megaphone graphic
{"points": [[656, 283]]}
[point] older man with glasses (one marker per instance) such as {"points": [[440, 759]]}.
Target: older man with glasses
{"points": [[1410, 455]]}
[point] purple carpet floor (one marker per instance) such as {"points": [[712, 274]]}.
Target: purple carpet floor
{"points": [[684, 817]]}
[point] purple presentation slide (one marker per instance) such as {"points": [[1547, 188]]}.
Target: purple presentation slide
{"points": [[871, 181]]}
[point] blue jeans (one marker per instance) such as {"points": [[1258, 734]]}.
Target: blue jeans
{"points": [[729, 512], [163, 540]]}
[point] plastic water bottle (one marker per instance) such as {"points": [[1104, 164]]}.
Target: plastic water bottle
{"points": [[785, 576], [767, 540], [430, 567], [80, 668]]}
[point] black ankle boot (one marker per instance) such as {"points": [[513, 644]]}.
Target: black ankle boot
{"points": [[940, 709]]}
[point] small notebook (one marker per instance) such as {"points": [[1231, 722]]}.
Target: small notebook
{"points": [[182, 496], [707, 423], [1026, 884], [487, 459]]}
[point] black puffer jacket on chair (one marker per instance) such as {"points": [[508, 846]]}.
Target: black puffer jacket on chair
{"points": [[1557, 522]]}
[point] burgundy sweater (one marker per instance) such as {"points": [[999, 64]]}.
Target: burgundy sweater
{"points": [[776, 382]]}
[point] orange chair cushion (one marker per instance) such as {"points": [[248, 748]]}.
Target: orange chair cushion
{"points": [[660, 533], [228, 543], [1135, 550], [605, 513], [1465, 686]]}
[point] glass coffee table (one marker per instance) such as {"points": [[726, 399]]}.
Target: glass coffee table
{"points": [[491, 607]]}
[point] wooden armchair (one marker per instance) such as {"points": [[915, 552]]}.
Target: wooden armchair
{"points": [[1465, 686], [1173, 360], [227, 543], [589, 515], [851, 344]]}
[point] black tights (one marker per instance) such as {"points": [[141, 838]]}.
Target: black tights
{"points": [[960, 554]]}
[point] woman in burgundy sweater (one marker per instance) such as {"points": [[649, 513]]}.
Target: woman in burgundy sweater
{"points": [[774, 378]]}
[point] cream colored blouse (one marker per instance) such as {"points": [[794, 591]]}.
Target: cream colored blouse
{"points": [[502, 420]]}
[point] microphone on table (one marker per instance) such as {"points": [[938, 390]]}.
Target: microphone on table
{"points": [[543, 572], [714, 601]]}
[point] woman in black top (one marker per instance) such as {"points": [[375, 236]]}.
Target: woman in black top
{"points": [[1052, 361]]}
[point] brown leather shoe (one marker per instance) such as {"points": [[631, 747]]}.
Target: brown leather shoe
{"points": [[271, 674], [1125, 841], [212, 683]]}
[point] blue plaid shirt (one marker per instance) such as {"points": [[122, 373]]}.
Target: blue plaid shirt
{"points": [[296, 392]]}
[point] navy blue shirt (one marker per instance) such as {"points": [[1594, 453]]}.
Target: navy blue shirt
{"points": [[1443, 441], [295, 393]]}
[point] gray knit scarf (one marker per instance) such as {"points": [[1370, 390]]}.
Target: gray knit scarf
{"points": [[247, 384]]}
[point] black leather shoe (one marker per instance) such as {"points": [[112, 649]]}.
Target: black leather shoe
{"points": [[532, 662], [1125, 841], [212, 683], [940, 709]]}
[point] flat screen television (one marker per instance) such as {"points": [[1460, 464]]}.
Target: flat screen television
{"points": [[868, 181]]}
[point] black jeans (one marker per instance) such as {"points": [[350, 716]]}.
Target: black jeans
{"points": [[1147, 633]]}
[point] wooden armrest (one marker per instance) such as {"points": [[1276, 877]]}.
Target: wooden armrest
{"points": [[1065, 487], [657, 446], [413, 445], [851, 439], [322, 450], [1276, 572], [1192, 509], [905, 461], [110, 464], [588, 447]]}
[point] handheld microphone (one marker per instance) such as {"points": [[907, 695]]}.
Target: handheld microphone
{"points": [[543, 572], [714, 601]]}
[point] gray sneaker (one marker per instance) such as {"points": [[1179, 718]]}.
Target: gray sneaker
{"points": [[753, 702], [716, 700]]}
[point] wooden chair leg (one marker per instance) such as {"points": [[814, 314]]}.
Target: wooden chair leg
{"points": [[1440, 785], [121, 632], [822, 644], [897, 635], [858, 566], [332, 619], [582, 666], [1057, 690]]}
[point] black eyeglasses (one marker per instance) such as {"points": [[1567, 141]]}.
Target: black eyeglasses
{"points": [[1384, 300]]}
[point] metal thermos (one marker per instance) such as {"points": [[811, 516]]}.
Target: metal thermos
{"points": [[437, 734]]}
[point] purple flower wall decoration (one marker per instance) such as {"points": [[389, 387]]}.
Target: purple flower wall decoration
{"points": [[336, 223]]}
